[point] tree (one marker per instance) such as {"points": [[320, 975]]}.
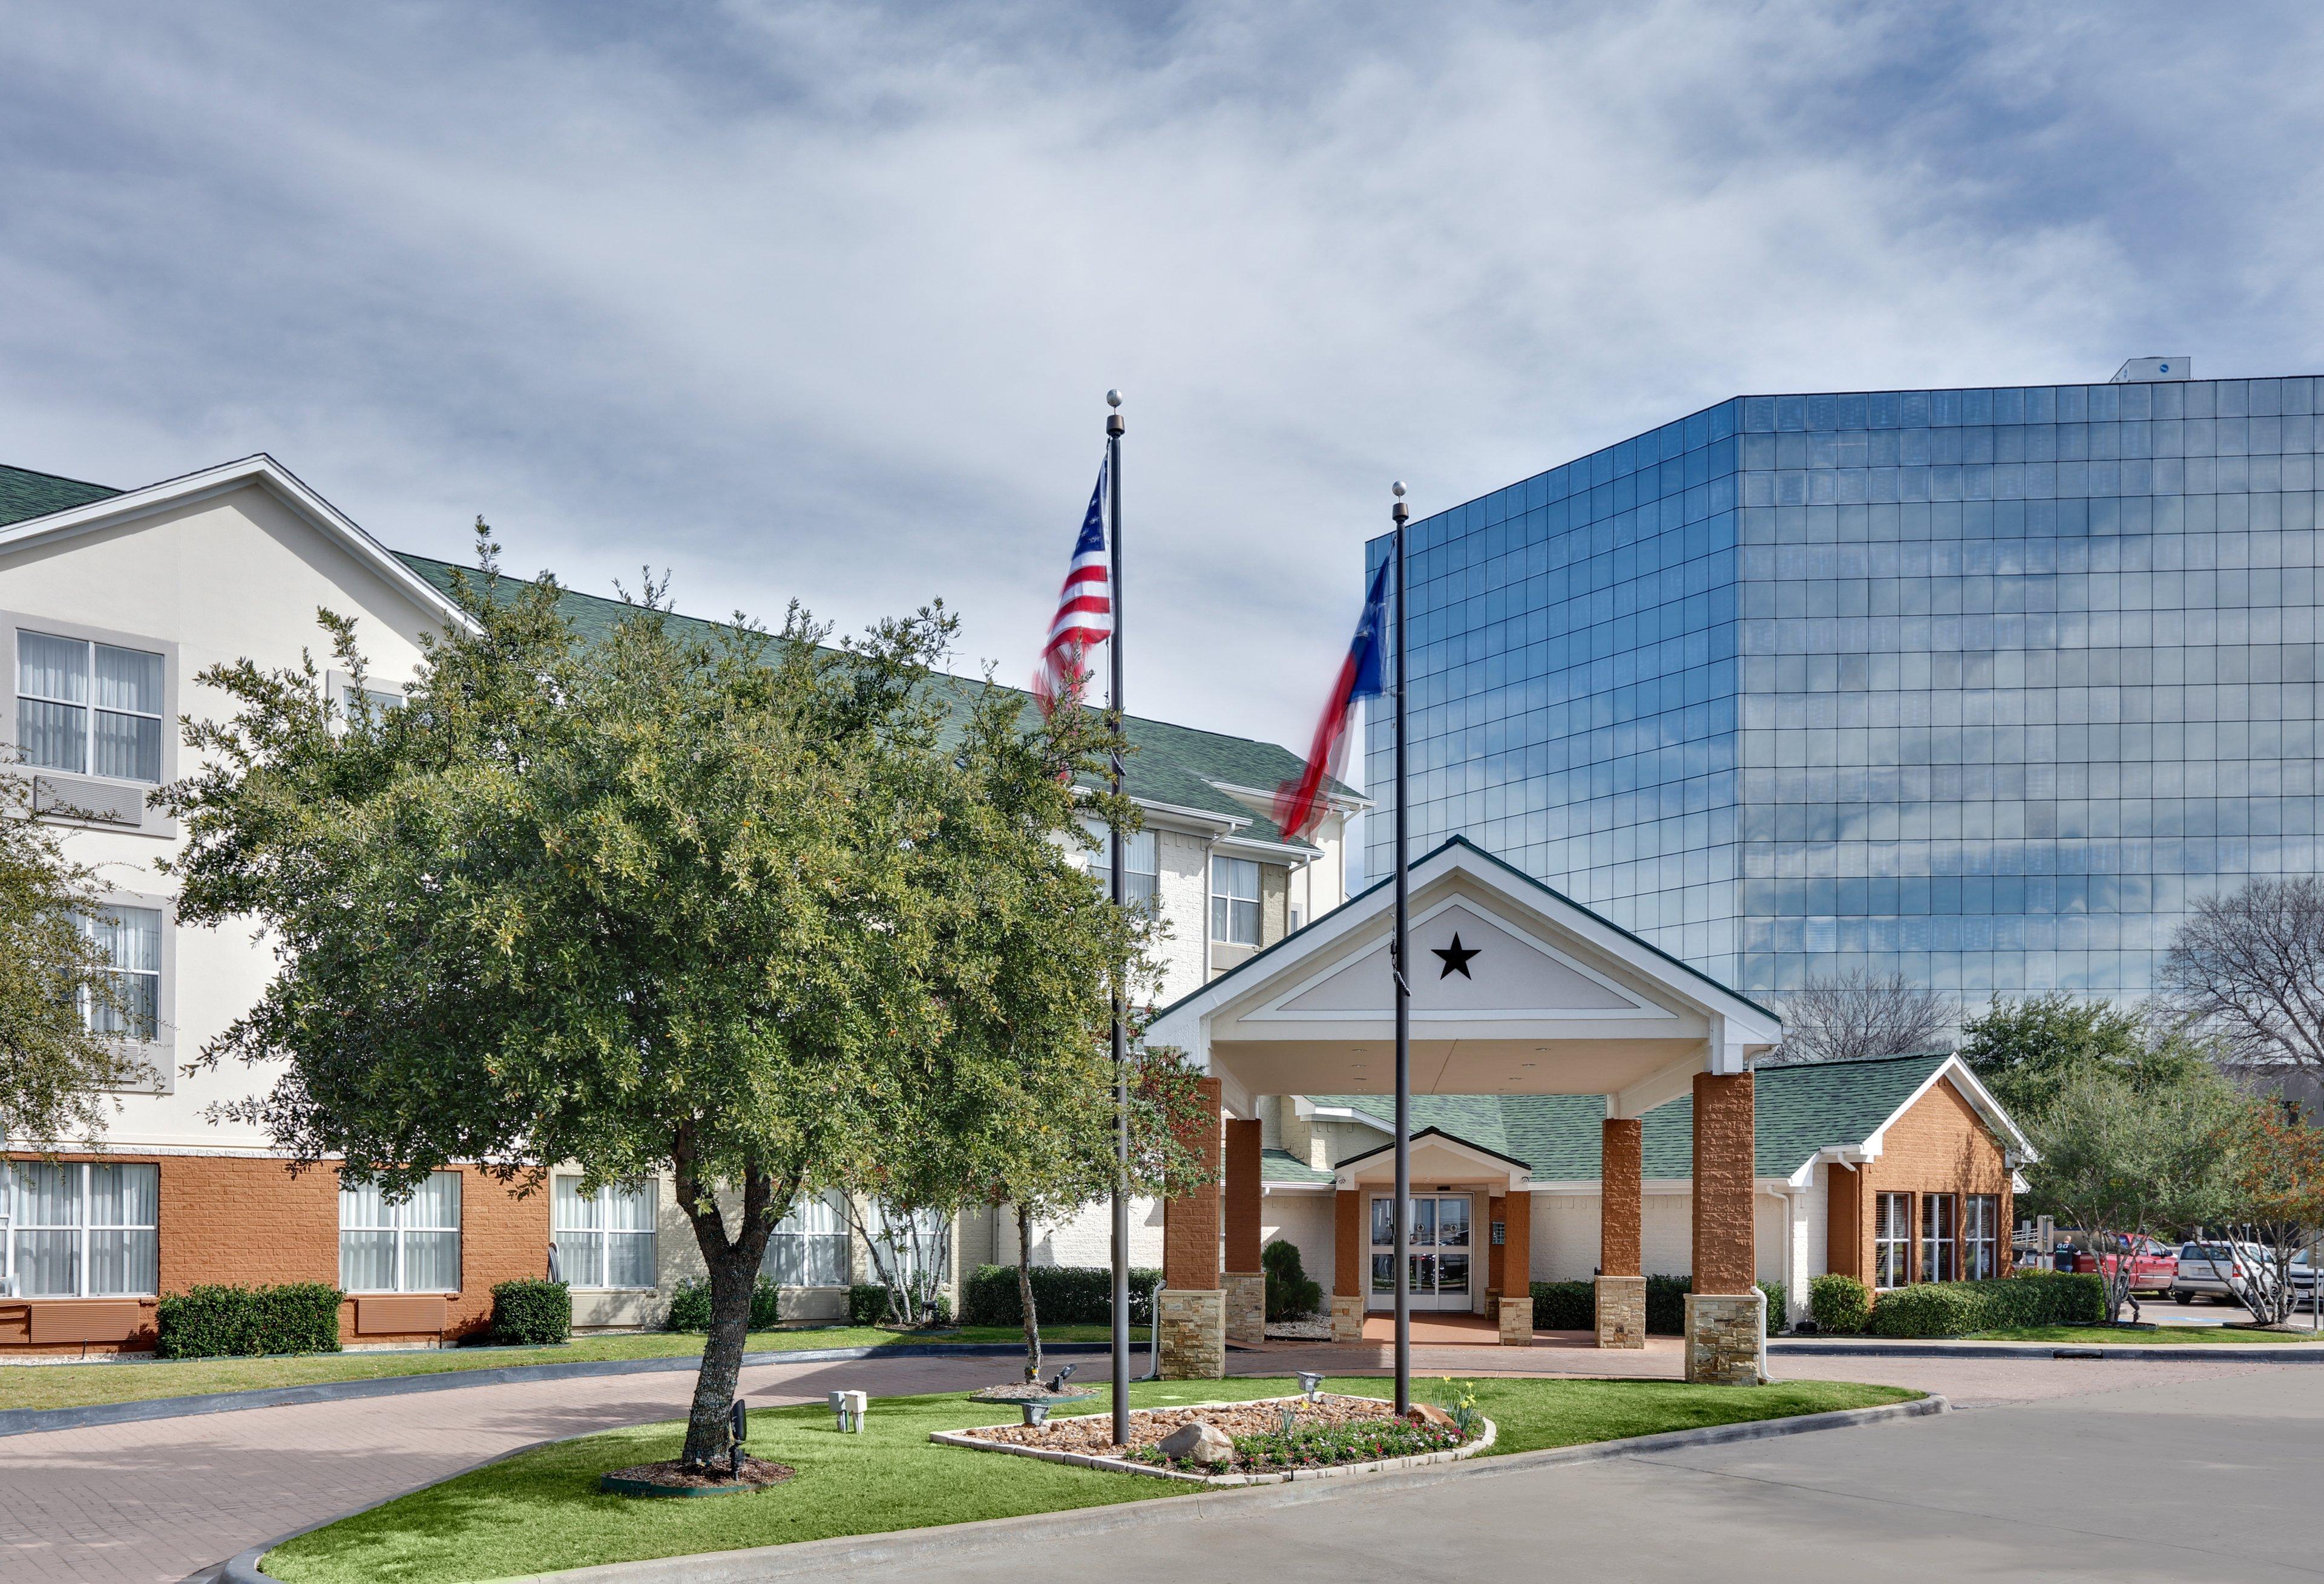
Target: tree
{"points": [[650, 900], [1857, 1014], [2275, 1195], [66, 1026], [2024, 1050], [2249, 967], [2123, 1163]]}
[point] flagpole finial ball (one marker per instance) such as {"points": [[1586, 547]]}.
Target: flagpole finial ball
{"points": [[1113, 398], [1397, 489]]}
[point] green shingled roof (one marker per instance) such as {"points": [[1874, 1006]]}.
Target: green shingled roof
{"points": [[1796, 1110], [1280, 1166], [1171, 764], [25, 493]]}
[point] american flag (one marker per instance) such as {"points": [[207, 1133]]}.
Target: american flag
{"points": [[1085, 617]]}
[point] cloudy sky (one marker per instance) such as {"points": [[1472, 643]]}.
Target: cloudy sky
{"points": [[821, 300]]}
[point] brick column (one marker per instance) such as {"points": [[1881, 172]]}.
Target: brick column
{"points": [[1194, 1303], [1621, 1286], [1351, 1269], [1515, 1318], [1246, 1277], [1726, 1314], [1843, 1226]]}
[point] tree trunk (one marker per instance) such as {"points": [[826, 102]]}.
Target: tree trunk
{"points": [[734, 1266], [1025, 1294]]}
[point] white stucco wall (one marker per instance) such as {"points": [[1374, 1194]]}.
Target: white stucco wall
{"points": [[1184, 888], [1085, 1239], [1565, 1237], [1304, 1220]]}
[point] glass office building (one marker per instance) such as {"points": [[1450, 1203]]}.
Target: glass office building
{"points": [[1979, 685]]}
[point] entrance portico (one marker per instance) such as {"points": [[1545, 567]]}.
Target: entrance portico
{"points": [[1515, 989]]}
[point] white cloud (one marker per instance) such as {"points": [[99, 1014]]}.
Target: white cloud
{"points": [[820, 300]]}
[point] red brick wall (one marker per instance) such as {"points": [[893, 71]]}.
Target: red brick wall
{"points": [[1190, 1221], [1496, 1209], [1724, 1234], [1516, 1252], [1846, 1241], [1242, 1196], [1350, 1268], [1621, 1200], [1939, 1145], [249, 1222]]}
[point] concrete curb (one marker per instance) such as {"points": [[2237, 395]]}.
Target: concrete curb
{"points": [[2263, 1353], [860, 1552], [32, 1421]]}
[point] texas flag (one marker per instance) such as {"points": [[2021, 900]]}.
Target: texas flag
{"points": [[1299, 805]]}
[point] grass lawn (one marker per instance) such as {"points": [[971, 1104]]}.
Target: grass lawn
{"points": [[76, 1386], [2099, 1336], [541, 1511]]}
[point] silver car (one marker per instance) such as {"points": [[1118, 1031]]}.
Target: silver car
{"points": [[2203, 1270]]}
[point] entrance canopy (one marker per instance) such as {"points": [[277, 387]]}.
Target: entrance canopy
{"points": [[1515, 989]]}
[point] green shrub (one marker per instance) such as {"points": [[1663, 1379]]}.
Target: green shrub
{"points": [[246, 1323], [690, 1305], [1290, 1294], [531, 1313], [1666, 1305], [1063, 1294], [867, 1304], [1953, 1309], [1564, 1306], [1779, 1305], [1841, 1305]]}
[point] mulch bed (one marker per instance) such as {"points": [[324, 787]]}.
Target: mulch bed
{"points": [[1093, 1433], [757, 1473], [1034, 1389]]}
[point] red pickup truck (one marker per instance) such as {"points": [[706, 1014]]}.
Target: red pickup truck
{"points": [[2153, 1267]]}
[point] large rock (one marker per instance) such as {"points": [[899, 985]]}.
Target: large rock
{"points": [[1198, 1443], [1430, 1414]]}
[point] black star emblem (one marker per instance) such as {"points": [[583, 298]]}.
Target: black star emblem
{"points": [[1456, 957]]}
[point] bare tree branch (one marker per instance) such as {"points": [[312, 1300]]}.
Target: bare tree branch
{"points": [[1857, 1015], [2249, 967]]}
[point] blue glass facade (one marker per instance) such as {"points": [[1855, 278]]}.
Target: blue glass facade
{"points": [[1978, 685]]}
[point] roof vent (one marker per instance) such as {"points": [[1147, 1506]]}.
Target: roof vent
{"points": [[2140, 371]]}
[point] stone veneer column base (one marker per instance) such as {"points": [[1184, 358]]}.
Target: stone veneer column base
{"points": [[1193, 1334], [1347, 1318], [1621, 1311], [1727, 1337], [1247, 1307], [1516, 1322]]}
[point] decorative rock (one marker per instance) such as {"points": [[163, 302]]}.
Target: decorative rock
{"points": [[1202, 1443], [1430, 1414]]}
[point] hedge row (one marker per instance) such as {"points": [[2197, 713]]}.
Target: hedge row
{"points": [[1063, 1294], [867, 1304], [690, 1305], [1572, 1306], [1953, 1309], [246, 1323], [531, 1313]]}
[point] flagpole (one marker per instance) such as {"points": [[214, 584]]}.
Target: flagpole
{"points": [[1403, 1002], [1113, 427]]}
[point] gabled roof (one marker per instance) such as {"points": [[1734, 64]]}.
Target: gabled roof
{"points": [[25, 493], [1797, 1112], [1280, 1166]]}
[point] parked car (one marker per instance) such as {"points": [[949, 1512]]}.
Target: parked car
{"points": [[2154, 1265], [2204, 1269]]}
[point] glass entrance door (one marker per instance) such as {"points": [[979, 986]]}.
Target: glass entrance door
{"points": [[1439, 1248]]}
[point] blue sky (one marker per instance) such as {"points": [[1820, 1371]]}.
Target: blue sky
{"points": [[821, 300]]}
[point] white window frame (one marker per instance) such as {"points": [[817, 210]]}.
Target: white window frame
{"points": [[1888, 1241], [398, 1224], [1980, 1241], [818, 1208], [1939, 1246], [157, 1054], [10, 1225], [1231, 911], [600, 1235], [79, 633], [1141, 887], [344, 692]]}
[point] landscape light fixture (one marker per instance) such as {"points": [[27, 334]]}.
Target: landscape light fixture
{"points": [[1311, 1383]]}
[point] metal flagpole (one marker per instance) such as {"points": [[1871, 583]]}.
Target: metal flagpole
{"points": [[1113, 427], [1400, 950]]}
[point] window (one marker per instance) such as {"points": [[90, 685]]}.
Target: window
{"points": [[1980, 1240], [1936, 1238], [809, 1246], [80, 1230], [90, 708], [1892, 1240], [1234, 901], [1141, 867], [409, 1248], [131, 937], [606, 1238], [1298, 918]]}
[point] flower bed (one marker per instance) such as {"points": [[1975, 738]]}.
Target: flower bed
{"points": [[1333, 1434]]}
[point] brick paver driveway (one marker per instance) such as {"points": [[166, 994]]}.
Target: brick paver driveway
{"points": [[157, 1502]]}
